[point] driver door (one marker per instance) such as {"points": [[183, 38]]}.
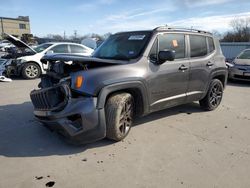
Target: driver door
{"points": [[168, 82]]}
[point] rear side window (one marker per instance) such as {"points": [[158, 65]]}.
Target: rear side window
{"points": [[210, 44], [198, 46], [61, 48], [77, 49], [245, 55], [174, 42]]}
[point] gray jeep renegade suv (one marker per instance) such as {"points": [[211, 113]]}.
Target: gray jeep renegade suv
{"points": [[131, 74]]}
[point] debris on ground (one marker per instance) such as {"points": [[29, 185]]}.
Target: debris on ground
{"points": [[39, 177], [5, 79], [50, 184], [85, 159]]}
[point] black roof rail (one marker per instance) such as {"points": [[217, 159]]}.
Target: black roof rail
{"points": [[160, 28]]}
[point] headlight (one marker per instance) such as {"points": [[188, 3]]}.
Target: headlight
{"points": [[229, 65]]}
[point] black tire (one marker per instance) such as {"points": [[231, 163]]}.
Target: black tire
{"points": [[119, 111], [213, 97], [31, 71]]}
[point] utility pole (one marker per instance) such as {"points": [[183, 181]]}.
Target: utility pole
{"points": [[64, 35], [75, 33], [2, 27]]}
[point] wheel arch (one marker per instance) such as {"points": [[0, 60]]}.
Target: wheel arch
{"points": [[20, 69], [135, 88], [220, 74], [27, 62]]}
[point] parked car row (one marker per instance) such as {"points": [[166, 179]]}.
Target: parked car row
{"points": [[25, 60], [5, 45], [239, 68]]}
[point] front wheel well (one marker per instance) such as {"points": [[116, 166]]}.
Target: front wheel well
{"points": [[138, 99]]}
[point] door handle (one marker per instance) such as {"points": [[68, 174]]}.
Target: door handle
{"points": [[210, 64], [183, 67]]}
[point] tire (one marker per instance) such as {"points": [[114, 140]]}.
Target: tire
{"points": [[213, 97], [31, 71], [119, 111]]}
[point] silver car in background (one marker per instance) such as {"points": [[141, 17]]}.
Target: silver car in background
{"points": [[239, 69]]}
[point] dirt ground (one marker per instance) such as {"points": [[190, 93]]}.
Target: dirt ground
{"points": [[178, 147]]}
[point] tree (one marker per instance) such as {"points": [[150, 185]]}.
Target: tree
{"points": [[240, 32]]}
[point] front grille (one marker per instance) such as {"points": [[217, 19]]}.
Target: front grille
{"points": [[53, 98]]}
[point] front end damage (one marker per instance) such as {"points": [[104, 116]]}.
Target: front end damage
{"points": [[59, 107]]}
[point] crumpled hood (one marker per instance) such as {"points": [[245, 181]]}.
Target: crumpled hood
{"points": [[78, 58], [17, 42]]}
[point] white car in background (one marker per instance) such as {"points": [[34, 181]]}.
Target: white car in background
{"points": [[4, 45], [29, 65]]}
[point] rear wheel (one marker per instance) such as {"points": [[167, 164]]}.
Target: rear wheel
{"points": [[31, 71], [119, 112], [214, 95]]}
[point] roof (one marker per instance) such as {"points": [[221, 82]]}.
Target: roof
{"points": [[19, 18], [166, 28]]}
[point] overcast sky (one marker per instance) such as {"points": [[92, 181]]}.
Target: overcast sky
{"points": [[102, 16]]}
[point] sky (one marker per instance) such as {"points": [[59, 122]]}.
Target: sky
{"points": [[102, 16]]}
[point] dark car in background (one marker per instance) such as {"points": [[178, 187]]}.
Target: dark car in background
{"points": [[239, 68]]}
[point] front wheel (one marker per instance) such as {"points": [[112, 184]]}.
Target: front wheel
{"points": [[214, 95], [119, 111], [31, 71]]}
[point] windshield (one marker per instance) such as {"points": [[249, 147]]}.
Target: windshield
{"points": [[123, 46], [42, 47], [245, 55]]}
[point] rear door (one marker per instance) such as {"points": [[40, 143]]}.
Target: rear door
{"points": [[168, 82], [201, 54]]}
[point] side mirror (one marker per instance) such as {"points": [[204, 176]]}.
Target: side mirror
{"points": [[163, 56], [49, 52]]}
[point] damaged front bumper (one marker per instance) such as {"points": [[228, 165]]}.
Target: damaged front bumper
{"points": [[78, 119]]}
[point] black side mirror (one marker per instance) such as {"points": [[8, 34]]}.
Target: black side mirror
{"points": [[168, 55]]}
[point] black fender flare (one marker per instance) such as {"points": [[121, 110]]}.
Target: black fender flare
{"points": [[217, 72], [105, 91], [220, 72]]}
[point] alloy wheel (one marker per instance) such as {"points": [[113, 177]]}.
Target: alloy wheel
{"points": [[126, 117], [31, 71], [215, 95]]}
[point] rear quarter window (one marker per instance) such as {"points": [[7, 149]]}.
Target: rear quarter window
{"points": [[61, 48], [211, 47], [77, 49], [198, 46]]}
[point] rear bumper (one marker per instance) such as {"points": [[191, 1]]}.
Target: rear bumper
{"points": [[79, 121]]}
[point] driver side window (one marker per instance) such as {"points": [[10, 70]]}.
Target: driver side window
{"points": [[175, 42], [170, 41]]}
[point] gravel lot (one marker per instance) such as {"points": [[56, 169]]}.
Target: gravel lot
{"points": [[178, 147]]}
